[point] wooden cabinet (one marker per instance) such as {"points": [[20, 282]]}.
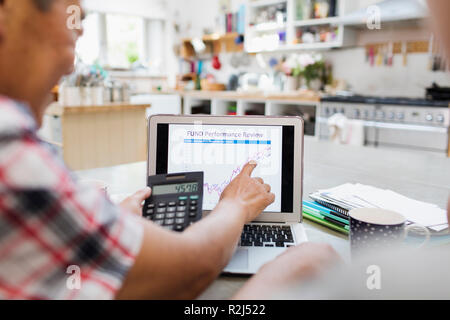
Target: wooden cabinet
{"points": [[97, 136], [215, 44]]}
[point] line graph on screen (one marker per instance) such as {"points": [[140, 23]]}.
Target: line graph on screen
{"points": [[218, 188], [221, 152]]}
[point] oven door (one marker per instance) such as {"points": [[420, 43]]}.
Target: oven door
{"points": [[412, 136], [323, 131]]}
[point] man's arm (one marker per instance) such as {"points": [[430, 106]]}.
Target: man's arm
{"points": [[181, 266]]}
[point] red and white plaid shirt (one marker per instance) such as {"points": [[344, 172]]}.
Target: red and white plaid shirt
{"points": [[48, 223]]}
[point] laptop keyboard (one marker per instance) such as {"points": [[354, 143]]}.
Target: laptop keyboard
{"points": [[267, 236]]}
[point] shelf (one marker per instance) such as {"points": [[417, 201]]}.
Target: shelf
{"points": [[316, 22], [301, 46], [314, 46], [344, 38], [268, 27], [265, 3]]}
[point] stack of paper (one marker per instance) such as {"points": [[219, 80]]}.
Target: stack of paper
{"points": [[351, 196]]}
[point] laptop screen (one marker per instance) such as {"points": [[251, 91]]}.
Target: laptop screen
{"points": [[220, 151]]}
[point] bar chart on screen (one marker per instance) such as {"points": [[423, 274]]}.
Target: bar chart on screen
{"points": [[222, 151]]}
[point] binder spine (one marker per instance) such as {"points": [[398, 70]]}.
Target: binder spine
{"points": [[333, 207]]}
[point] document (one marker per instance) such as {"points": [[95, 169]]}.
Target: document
{"points": [[362, 196]]}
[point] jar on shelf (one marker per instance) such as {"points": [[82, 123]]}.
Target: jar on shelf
{"points": [[304, 9]]}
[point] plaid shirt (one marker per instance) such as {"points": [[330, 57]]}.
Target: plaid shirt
{"points": [[48, 224]]}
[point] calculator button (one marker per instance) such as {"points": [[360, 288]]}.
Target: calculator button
{"points": [[172, 204], [150, 211], [170, 228], [159, 222], [194, 197], [193, 208], [151, 206], [170, 215], [179, 221], [182, 208], [171, 209], [162, 205], [159, 216], [181, 215], [194, 202], [193, 214], [178, 228], [182, 198], [148, 218], [182, 203], [169, 222], [161, 210]]}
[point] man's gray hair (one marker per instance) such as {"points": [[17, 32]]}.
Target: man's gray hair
{"points": [[43, 5]]}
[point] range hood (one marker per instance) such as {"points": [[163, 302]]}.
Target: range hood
{"points": [[390, 11]]}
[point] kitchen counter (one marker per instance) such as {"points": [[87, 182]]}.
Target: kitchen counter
{"points": [[388, 101], [239, 95], [220, 103], [258, 96], [97, 136], [55, 109]]}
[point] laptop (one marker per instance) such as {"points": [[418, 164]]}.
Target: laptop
{"points": [[220, 146]]}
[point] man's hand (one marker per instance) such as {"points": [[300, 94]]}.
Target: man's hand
{"points": [[135, 202], [201, 251], [250, 193], [293, 266]]}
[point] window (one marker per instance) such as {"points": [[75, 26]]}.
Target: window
{"points": [[125, 40], [88, 46], [117, 41], [155, 46]]}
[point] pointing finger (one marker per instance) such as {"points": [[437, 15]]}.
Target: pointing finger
{"points": [[248, 168]]}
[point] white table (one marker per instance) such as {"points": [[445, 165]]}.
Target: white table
{"points": [[419, 175]]}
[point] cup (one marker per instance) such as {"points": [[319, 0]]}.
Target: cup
{"points": [[70, 96], [378, 229], [97, 96]]}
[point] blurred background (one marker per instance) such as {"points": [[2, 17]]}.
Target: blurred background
{"points": [[373, 68]]}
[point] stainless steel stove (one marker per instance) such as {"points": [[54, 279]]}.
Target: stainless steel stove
{"points": [[400, 122]]}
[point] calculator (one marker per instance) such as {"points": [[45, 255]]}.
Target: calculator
{"points": [[176, 201]]}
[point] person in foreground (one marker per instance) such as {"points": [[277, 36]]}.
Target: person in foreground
{"points": [[48, 223]]}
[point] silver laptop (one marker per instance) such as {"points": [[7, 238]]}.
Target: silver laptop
{"points": [[219, 146]]}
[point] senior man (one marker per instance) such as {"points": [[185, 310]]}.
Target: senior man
{"points": [[48, 222]]}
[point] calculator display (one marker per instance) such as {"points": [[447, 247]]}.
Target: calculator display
{"points": [[175, 188]]}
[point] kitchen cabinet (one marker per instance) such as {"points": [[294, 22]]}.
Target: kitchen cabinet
{"points": [[215, 44], [254, 104], [97, 136], [296, 27]]}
